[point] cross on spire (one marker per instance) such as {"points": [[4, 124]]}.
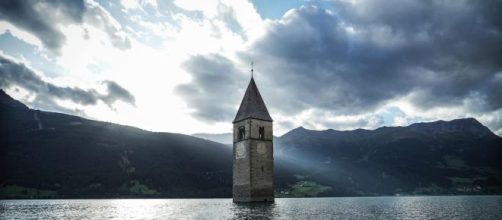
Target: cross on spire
{"points": [[252, 69]]}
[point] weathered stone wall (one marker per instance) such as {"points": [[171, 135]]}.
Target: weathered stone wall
{"points": [[262, 170], [253, 162], [253, 126], [241, 170]]}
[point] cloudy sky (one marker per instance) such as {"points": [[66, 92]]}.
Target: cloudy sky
{"points": [[182, 66]]}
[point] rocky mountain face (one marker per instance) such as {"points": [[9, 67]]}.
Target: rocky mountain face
{"points": [[52, 155], [454, 157]]}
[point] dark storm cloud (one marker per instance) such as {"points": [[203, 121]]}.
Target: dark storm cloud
{"points": [[355, 57], [117, 92], [41, 23], [214, 78], [14, 74], [346, 62], [450, 49], [42, 17]]}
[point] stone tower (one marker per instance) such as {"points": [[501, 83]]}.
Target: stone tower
{"points": [[253, 150]]}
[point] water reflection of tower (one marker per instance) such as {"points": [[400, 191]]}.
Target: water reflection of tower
{"points": [[254, 211]]}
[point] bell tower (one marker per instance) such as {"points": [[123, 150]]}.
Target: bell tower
{"points": [[253, 164]]}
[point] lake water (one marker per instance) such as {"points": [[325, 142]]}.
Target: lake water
{"points": [[420, 207]]}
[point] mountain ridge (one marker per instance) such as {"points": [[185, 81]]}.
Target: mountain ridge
{"points": [[6, 100], [54, 155], [427, 126]]}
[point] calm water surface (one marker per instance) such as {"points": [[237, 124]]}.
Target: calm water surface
{"points": [[423, 207]]}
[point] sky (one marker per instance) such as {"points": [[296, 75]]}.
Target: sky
{"points": [[182, 66]]}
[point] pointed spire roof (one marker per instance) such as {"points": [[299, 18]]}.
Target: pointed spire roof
{"points": [[252, 105]]}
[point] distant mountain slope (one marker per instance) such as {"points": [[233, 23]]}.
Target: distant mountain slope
{"points": [[52, 155], [455, 157], [75, 157], [223, 138]]}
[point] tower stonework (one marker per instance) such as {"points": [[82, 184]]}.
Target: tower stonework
{"points": [[253, 164]]}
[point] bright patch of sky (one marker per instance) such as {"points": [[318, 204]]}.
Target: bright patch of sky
{"points": [[276, 9], [147, 46]]}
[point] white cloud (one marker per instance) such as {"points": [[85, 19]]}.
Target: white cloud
{"points": [[21, 34], [137, 4], [149, 73], [147, 61]]}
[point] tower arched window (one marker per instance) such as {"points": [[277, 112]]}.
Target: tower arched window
{"points": [[241, 133], [261, 133]]}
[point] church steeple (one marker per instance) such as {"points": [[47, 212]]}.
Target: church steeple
{"points": [[252, 105], [253, 165]]}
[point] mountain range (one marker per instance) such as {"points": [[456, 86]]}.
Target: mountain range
{"points": [[53, 155], [223, 138], [454, 157]]}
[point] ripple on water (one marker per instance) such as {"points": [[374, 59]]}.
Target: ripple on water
{"points": [[420, 207]]}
